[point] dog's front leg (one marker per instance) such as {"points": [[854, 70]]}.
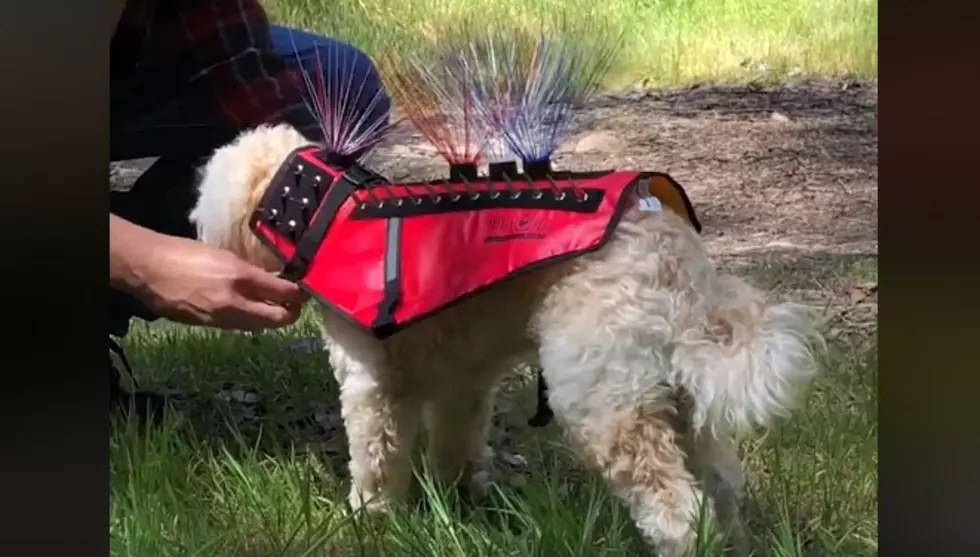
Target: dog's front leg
{"points": [[458, 422], [382, 422]]}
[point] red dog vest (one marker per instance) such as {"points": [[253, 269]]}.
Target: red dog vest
{"points": [[387, 255]]}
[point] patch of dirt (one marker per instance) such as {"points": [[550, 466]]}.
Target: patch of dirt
{"points": [[790, 169], [785, 173]]}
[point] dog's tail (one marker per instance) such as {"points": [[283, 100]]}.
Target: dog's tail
{"points": [[747, 361]]}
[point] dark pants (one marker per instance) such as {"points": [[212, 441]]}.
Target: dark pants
{"points": [[182, 133]]}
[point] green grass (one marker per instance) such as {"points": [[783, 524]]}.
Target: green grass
{"points": [[668, 42], [199, 486]]}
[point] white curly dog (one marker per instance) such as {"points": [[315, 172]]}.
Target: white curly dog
{"points": [[654, 361]]}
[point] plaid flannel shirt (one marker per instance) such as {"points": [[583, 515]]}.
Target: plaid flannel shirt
{"points": [[216, 51]]}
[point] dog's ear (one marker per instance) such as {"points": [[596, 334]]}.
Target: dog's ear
{"points": [[231, 186]]}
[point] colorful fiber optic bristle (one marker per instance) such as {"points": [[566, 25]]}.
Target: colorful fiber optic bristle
{"points": [[353, 111], [531, 97], [502, 94], [438, 99]]}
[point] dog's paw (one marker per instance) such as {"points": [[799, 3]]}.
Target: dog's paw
{"points": [[479, 484], [738, 543], [367, 503], [475, 484]]}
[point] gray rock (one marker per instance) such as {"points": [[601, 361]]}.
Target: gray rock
{"points": [[599, 142]]}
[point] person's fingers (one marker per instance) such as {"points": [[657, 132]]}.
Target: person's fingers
{"points": [[263, 315], [261, 285]]}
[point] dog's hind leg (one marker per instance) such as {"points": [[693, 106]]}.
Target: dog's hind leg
{"points": [[717, 463], [636, 450], [457, 421], [625, 430], [726, 485], [605, 386]]}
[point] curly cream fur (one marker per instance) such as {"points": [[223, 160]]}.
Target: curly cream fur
{"points": [[618, 334]]}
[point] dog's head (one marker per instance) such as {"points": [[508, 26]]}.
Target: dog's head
{"points": [[231, 186]]}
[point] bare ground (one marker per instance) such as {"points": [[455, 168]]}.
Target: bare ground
{"points": [[782, 177], [790, 170]]}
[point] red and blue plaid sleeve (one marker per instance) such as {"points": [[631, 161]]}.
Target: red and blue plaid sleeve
{"points": [[226, 52]]}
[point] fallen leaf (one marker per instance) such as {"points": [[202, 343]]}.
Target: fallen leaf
{"points": [[859, 292]]}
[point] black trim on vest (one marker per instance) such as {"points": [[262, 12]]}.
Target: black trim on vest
{"points": [[570, 199]]}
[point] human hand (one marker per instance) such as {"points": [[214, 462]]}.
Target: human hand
{"points": [[194, 283], [198, 284]]}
